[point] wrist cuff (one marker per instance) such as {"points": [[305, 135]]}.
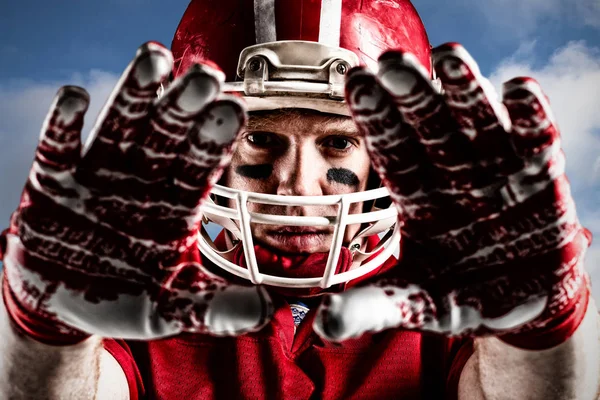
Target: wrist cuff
{"points": [[558, 330], [37, 327]]}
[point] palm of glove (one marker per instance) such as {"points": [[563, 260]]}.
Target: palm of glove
{"points": [[490, 233], [106, 241]]}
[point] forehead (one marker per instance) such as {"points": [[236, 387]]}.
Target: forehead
{"points": [[300, 120]]}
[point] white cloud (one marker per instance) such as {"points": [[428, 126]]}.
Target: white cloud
{"points": [[571, 80], [23, 106]]}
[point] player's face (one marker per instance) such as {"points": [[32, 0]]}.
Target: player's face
{"points": [[299, 153]]}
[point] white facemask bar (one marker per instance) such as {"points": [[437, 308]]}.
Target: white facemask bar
{"points": [[245, 218]]}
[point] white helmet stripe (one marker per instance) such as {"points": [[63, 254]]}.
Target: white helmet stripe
{"points": [[264, 21], [331, 22]]}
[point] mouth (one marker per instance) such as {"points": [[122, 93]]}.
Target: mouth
{"points": [[299, 239]]}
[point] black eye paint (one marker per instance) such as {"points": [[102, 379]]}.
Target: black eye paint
{"points": [[259, 171], [343, 176]]}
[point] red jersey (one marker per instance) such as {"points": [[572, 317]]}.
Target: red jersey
{"points": [[275, 363]]}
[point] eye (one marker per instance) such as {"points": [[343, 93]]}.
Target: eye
{"points": [[262, 139], [338, 143]]}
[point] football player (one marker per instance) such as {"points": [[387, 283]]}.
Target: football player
{"points": [[386, 227]]}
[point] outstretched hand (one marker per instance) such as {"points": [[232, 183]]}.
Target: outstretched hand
{"points": [[491, 239], [105, 239]]}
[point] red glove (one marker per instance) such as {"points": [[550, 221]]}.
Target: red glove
{"points": [[491, 241], [105, 241]]}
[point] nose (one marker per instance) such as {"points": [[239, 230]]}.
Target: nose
{"points": [[300, 172]]}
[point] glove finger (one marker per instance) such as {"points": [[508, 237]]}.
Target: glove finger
{"points": [[124, 116], [50, 186], [237, 310], [389, 305], [533, 125], [60, 140], [473, 103], [372, 309], [450, 154], [173, 116], [203, 302], [209, 148], [394, 150], [60, 144], [536, 140]]}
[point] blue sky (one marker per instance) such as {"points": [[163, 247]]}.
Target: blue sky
{"points": [[89, 43]]}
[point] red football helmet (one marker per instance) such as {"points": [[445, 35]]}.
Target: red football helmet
{"points": [[218, 30], [294, 54]]}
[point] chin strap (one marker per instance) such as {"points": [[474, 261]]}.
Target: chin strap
{"points": [[360, 255], [294, 266]]}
